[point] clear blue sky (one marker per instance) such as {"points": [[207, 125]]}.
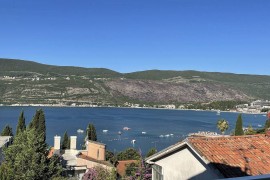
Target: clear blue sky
{"points": [[132, 35]]}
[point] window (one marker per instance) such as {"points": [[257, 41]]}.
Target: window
{"points": [[157, 172]]}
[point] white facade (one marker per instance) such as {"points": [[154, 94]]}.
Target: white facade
{"points": [[181, 162], [4, 142]]}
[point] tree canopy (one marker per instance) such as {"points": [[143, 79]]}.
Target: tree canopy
{"points": [[91, 132], [7, 131], [21, 124], [27, 157], [66, 141], [239, 126], [222, 125]]}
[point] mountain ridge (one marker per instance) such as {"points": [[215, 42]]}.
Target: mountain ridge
{"points": [[40, 83]]}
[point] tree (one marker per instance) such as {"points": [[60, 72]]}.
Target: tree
{"points": [[21, 124], [110, 156], [65, 142], [239, 126], [7, 131], [91, 132], [38, 123], [250, 131], [267, 124], [151, 152], [222, 125], [27, 158], [99, 173], [128, 154]]}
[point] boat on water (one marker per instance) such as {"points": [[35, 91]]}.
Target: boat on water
{"points": [[80, 131], [119, 132], [143, 132], [218, 112], [105, 130], [133, 141], [126, 128]]}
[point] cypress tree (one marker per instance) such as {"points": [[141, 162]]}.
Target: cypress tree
{"points": [[7, 131], [27, 158], [21, 124], [239, 126], [91, 132], [267, 124], [66, 142], [38, 123], [42, 125]]}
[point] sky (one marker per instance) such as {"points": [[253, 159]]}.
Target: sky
{"points": [[135, 35]]}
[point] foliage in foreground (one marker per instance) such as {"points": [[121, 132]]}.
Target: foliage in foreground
{"points": [[100, 173], [27, 157]]}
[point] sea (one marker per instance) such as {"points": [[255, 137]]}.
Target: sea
{"points": [[158, 128]]}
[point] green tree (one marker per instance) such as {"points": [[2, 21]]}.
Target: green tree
{"points": [[250, 131], [7, 131], [27, 158], [131, 169], [128, 154], [239, 126], [21, 124], [222, 125], [91, 132], [38, 123], [66, 142], [267, 124], [151, 152], [110, 156]]}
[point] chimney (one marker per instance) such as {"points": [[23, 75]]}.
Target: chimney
{"points": [[57, 140], [73, 140]]}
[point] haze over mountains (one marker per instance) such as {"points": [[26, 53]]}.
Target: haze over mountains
{"points": [[25, 82]]}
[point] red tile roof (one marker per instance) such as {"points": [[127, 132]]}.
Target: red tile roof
{"points": [[122, 166], [235, 156]]}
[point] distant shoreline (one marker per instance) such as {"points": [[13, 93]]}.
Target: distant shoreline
{"points": [[95, 106]]}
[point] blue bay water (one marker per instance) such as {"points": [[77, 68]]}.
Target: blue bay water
{"points": [[154, 122]]}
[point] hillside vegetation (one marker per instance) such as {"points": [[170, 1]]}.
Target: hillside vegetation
{"points": [[26, 82]]}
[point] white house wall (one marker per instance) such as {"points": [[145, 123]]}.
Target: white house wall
{"points": [[183, 165]]}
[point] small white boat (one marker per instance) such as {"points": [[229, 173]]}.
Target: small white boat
{"points": [[119, 132], [218, 112], [133, 141], [143, 132], [126, 128], [259, 125], [167, 135], [171, 134], [80, 131], [161, 136], [105, 130]]}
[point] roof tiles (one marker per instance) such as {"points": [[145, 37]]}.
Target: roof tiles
{"points": [[235, 156]]}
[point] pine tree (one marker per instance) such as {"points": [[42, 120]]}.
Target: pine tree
{"points": [[65, 142], [38, 123], [21, 124], [27, 158], [91, 132], [7, 131], [239, 126]]}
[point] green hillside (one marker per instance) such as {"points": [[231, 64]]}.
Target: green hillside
{"points": [[22, 67], [40, 83]]}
